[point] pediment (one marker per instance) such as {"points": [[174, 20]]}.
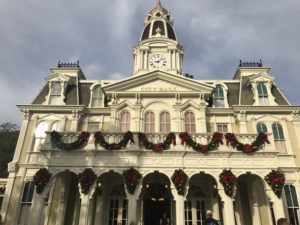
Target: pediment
{"points": [[263, 77], [158, 81], [58, 77]]}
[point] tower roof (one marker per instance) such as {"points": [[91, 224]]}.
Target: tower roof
{"points": [[158, 23]]}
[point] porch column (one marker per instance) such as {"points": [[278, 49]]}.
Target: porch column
{"points": [[85, 212], [37, 208], [228, 211], [132, 204], [179, 201], [278, 204]]}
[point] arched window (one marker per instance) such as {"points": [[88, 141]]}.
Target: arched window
{"points": [[262, 94], [149, 122], [125, 121], [277, 131], [218, 96], [189, 120], [55, 93], [261, 127], [26, 202], [165, 125], [56, 126], [279, 138], [97, 97], [40, 135]]}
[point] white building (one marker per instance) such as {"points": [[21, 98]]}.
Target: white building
{"points": [[157, 99]]}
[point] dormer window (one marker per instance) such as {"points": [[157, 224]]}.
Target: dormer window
{"points": [[262, 94], [55, 93], [97, 97], [218, 97]]}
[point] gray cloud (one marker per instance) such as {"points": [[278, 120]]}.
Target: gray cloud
{"points": [[101, 34]]}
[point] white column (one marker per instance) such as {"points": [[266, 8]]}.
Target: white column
{"points": [[37, 207], [85, 211], [132, 209], [75, 120], [228, 211], [278, 204], [179, 201], [132, 204]]}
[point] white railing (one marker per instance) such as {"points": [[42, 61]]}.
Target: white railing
{"points": [[201, 138]]}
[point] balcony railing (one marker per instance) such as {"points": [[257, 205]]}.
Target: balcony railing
{"points": [[201, 138]]}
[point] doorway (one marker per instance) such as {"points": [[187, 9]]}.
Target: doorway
{"points": [[157, 199]]}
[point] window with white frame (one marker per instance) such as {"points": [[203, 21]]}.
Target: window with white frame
{"points": [[292, 204], [40, 134], [149, 122], [2, 192], [189, 120], [97, 97], [26, 202], [55, 93], [279, 138], [125, 121], [93, 127], [194, 211], [165, 124], [222, 128], [261, 128], [262, 94], [118, 207], [218, 96]]}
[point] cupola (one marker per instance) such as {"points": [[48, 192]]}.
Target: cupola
{"points": [[158, 23]]}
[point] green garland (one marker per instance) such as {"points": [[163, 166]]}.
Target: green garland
{"points": [[227, 179], [99, 139], [41, 178], [159, 147], [276, 181], [212, 145], [179, 179], [256, 145], [132, 177], [81, 140]]}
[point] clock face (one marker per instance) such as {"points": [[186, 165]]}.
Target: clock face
{"points": [[158, 61]]}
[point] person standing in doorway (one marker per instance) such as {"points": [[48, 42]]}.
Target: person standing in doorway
{"points": [[164, 220], [209, 219]]}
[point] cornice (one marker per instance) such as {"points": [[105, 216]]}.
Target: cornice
{"points": [[51, 108], [211, 110], [274, 109]]}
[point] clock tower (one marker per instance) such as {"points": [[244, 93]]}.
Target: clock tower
{"points": [[158, 48]]}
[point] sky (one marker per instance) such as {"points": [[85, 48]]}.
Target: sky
{"points": [[35, 35]]}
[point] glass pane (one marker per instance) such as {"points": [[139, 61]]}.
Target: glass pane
{"points": [[56, 89], [261, 127], [288, 196], [54, 100], [294, 196]]}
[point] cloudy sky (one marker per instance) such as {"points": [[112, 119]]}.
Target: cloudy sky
{"points": [[35, 35]]}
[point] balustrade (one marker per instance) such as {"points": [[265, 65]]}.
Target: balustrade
{"points": [[201, 138]]}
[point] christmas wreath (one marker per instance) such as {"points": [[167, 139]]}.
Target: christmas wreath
{"points": [[86, 179], [256, 145], [81, 140], [179, 179], [213, 144], [132, 178], [276, 181], [99, 139], [227, 179], [41, 178], [159, 147]]}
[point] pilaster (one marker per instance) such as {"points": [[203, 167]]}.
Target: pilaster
{"points": [[85, 212]]}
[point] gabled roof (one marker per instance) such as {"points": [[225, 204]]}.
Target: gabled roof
{"points": [[158, 81]]}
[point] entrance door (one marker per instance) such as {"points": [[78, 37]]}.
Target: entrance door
{"points": [[153, 210], [156, 202]]}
